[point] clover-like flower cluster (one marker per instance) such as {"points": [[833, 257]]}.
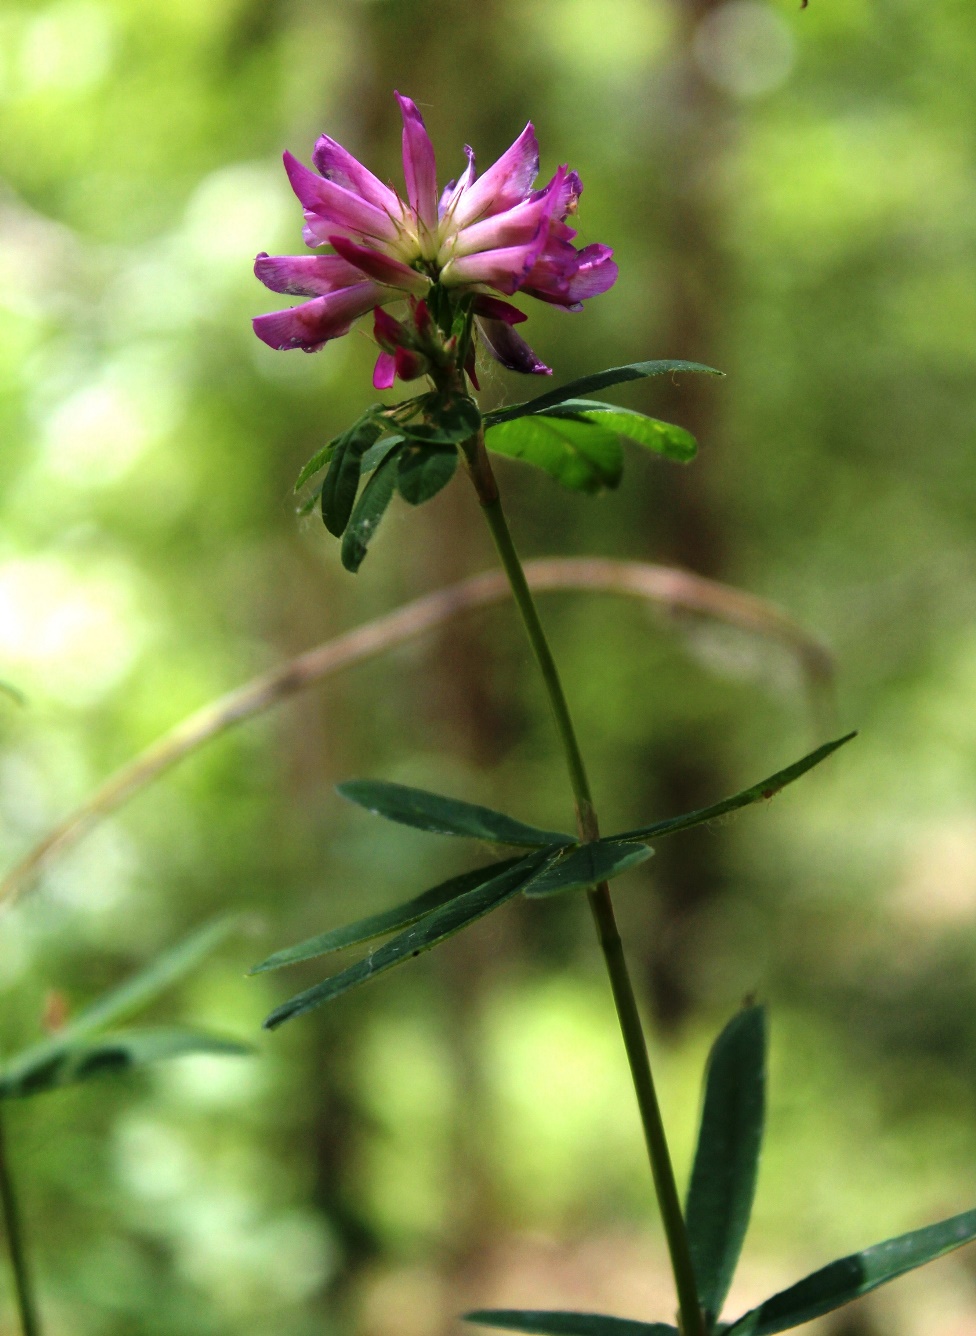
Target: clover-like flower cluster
{"points": [[480, 236]]}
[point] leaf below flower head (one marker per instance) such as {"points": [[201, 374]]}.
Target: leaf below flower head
{"points": [[577, 453], [424, 471], [369, 510], [342, 480], [599, 380]]}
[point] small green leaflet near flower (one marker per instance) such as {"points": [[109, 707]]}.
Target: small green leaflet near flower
{"points": [[719, 1204], [558, 863], [85, 1048]]}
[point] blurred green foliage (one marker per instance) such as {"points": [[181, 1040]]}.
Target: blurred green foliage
{"points": [[791, 198]]}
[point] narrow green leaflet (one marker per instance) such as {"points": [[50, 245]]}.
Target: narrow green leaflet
{"points": [[766, 788], [723, 1178], [599, 380], [421, 936], [664, 438], [119, 1003], [446, 816], [567, 1324], [586, 865], [318, 461], [424, 470], [342, 480], [160, 974], [106, 1055], [390, 920], [576, 452], [375, 455], [850, 1277], [370, 509]]}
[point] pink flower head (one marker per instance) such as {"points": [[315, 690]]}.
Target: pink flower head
{"points": [[478, 237]]}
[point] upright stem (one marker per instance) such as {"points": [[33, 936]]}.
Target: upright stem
{"points": [[26, 1306], [690, 1314]]}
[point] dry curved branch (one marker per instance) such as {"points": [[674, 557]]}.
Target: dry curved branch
{"points": [[665, 586]]}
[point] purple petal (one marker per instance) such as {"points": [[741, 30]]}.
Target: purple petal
{"points": [[339, 166], [511, 349], [330, 208], [504, 269], [454, 189], [597, 272], [306, 275], [314, 323], [383, 268], [493, 308], [568, 188], [389, 333], [506, 182], [419, 167], [513, 227], [384, 372]]}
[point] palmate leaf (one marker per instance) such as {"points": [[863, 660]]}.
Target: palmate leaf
{"points": [[576, 452], [567, 1324], [447, 816], [599, 380], [108, 1054], [766, 788], [586, 865], [723, 1178], [389, 920], [847, 1279], [421, 936]]}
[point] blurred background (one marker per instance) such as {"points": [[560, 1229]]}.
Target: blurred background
{"points": [[792, 197]]}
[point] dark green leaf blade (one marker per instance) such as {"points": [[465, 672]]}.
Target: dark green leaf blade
{"points": [[342, 480], [576, 452], [424, 471], [567, 1324], [587, 865], [447, 422], [421, 936], [390, 920], [766, 788], [599, 380], [847, 1279], [446, 816], [108, 1054], [723, 1178], [375, 455], [370, 509]]}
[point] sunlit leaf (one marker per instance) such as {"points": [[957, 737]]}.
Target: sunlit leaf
{"points": [[586, 866], [850, 1277], [84, 1059], [369, 510], [723, 1179], [664, 438], [599, 380], [766, 788], [577, 453], [446, 816], [389, 920], [567, 1324], [423, 471], [421, 936]]}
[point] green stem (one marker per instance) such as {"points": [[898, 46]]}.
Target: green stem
{"points": [[690, 1314], [29, 1324]]}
